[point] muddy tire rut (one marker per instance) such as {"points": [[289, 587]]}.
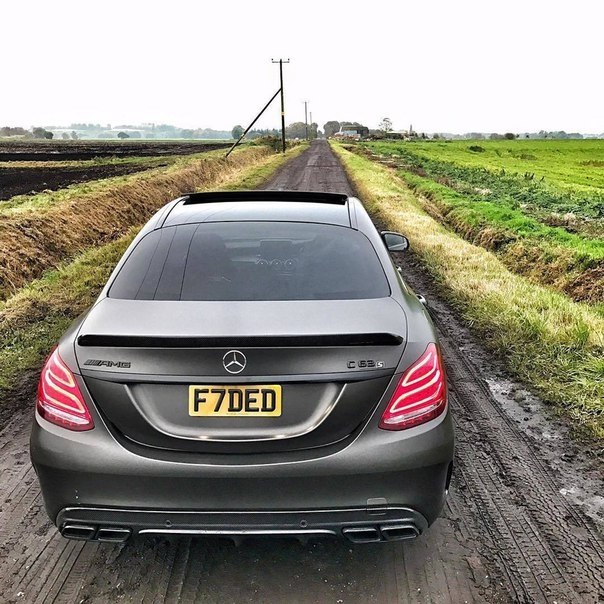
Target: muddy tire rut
{"points": [[522, 523]]}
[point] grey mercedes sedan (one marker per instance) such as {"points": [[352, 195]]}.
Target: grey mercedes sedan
{"points": [[255, 365]]}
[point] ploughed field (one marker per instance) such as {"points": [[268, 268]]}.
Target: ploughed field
{"points": [[538, 205], [80, 150], [28, 167]]}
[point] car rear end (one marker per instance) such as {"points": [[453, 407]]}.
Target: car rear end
{"points": [[263, 395]]}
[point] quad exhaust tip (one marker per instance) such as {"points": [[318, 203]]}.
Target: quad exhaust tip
{"points": [[114, 534], [82, 532], [399, 532], [362, 534], [86, 532], [373, 534]]}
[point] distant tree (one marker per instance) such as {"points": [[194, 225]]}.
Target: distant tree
{"points": [[385, 125], [13, 131], [211, 133], [74, 135], [436, 136], [496, 137], [330, 128], [123, 135], [510, 136], [296, 130], [65, 136], [166, 131], [42, 133], [237, 131], [187, 133]]}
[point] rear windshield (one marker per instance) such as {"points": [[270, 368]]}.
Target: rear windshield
{"points": [[251, 261]]}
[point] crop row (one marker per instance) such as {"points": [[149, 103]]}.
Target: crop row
{"points": [[506, 214]]}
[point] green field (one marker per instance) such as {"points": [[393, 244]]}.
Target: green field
{"points": [[539, 205], [552, 343], [573, 164]]}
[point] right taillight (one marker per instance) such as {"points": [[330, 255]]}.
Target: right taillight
{"points": [[60, 400], [420, 395]]}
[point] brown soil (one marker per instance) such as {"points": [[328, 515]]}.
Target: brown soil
{"points": [[81, 150], [29, 181], [521, 523]]}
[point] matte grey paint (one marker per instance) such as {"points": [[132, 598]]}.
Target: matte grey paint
{"points": [[142, 455]]}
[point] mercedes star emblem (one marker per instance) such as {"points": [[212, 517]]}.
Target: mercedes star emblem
{"points": [[234, 361]]}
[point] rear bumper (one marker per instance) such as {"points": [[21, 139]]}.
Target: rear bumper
{"points": [[90, 478], [359, 525]]}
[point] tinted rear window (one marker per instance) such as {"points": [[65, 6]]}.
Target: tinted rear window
{"points": [[251, 261]]}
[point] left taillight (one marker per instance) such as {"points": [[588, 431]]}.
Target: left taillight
{"points": [[60, 400], [420, 395]]}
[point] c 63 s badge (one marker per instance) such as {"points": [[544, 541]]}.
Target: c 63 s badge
{"points": [[365, 364]]}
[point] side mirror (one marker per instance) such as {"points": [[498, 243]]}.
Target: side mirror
{"points": [[395, 242]]}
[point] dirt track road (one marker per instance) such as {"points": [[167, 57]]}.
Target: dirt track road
{"points": [[516, 528]]}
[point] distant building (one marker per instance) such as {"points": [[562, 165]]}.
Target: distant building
{"points": [[352, 131], [351, 134]]}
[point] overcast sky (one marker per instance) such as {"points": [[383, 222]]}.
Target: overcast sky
{"points": [[442, 65]]}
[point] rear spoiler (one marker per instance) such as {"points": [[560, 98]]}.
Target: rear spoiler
{"points": [[300, 196], [356, 339]]}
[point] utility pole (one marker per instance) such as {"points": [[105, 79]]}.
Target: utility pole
{"points": [[306, 117], [310, 113], [281, 61]]}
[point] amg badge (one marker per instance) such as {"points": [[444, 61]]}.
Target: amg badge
{"points": [[101, 363]]}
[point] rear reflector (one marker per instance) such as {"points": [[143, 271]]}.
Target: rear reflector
{"points": [[60, 400], [421, 394]]}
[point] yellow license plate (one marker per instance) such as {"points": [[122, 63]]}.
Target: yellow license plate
{"points": [[221, 401]]}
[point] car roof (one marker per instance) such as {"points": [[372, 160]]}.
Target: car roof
{"points": [[277, 206]]}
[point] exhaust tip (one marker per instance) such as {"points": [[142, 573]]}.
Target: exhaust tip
{"points": [[83, 532], [362, 534], [399, 532], [114, 534]]}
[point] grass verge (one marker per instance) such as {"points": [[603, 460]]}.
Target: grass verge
{"points": [[550, 342], [32, 320]]}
